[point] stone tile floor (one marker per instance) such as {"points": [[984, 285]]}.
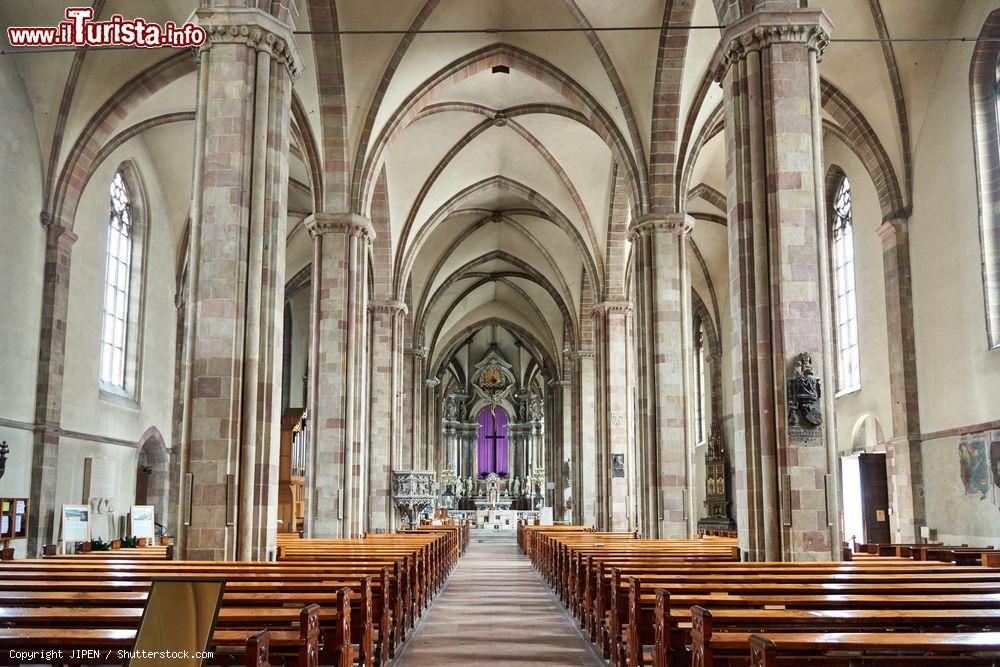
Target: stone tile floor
{"points": [[496, 610]]}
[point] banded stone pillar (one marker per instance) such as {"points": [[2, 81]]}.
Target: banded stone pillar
{"points": [[768, 66], [413, 454], [387, 320], [659, 244], [236, 285], [585, 490], [335, 491], [59, 240], [428, 426], [904, 458], [557, 443], [611, 325]]}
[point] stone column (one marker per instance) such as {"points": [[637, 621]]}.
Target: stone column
{"points": [[429, 426], [768, 66], [557, 443], [334, 490], [611, 322], [585, 491], [59, 242], [236, 286], [904, 458], [387, 318], [659, 245], [412, 450]]}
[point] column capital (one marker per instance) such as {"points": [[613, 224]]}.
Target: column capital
{"points": [[57, 231], [350, 224], [619, 305], [678, 223], [763, 27], [432, 382], [582, 354], [390, 306], [892, 228], [420, 352], [254, 28]]}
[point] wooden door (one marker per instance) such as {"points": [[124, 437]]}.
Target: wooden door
{"points": [[142, 485], [875, 499]]}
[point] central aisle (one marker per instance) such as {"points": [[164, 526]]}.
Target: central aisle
{"points": [[496, 610]]}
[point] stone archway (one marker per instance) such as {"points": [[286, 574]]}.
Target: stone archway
{"points": [[152, 474]]}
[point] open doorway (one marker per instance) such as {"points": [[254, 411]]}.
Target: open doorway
{"points": [[865, 493]]}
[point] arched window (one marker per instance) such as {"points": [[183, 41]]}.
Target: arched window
{"points": [[120, 330], [492, 441], [984, 86], [844, 292]]}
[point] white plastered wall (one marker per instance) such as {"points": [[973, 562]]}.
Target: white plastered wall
{"points": [[22, 257], [959, 378]]}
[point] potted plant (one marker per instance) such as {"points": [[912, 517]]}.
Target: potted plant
{"points": [[164, 540], [83, 547], [116, 545], [143, 542], [130, 542], [98, 545]]}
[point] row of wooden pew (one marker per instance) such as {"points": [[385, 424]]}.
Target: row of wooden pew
{"points": [[681, 602], [324, 602], [959, 555]]}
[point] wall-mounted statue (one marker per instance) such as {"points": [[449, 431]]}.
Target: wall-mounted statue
{"points": [[804, 392], [450, 409], [4, 450]]}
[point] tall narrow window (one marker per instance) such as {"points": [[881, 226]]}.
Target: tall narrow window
{"points": [[845, 295], [114, 331], [701, 379]]}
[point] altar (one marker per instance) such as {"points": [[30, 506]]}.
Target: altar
{"points": [[502, 519]]}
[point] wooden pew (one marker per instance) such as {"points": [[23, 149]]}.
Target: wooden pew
{"points": [[944, 648], [722, 634]]}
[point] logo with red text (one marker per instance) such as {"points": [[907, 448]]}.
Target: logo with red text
{"points": [[80, 29]]}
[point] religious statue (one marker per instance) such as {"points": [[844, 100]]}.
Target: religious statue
{"points": [[535, 410], [517, 487], [470, 486], [458, 487], [450, 408], [492, 490], [4, 450], [804, 393]]}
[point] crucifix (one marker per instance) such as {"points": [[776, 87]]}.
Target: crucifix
{"points": [[492, 439]]}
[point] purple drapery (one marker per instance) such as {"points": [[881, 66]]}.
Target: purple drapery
{"points": [[492, 441]]}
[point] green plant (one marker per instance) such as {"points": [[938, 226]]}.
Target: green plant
{"points": [[130, 542], [99, 545]]}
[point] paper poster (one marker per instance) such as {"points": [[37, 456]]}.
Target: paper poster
{"points": [[142, 521], [75, 523]]}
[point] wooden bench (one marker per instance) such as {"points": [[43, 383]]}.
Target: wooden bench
{"points": [[944, 648], [722, 634]]}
